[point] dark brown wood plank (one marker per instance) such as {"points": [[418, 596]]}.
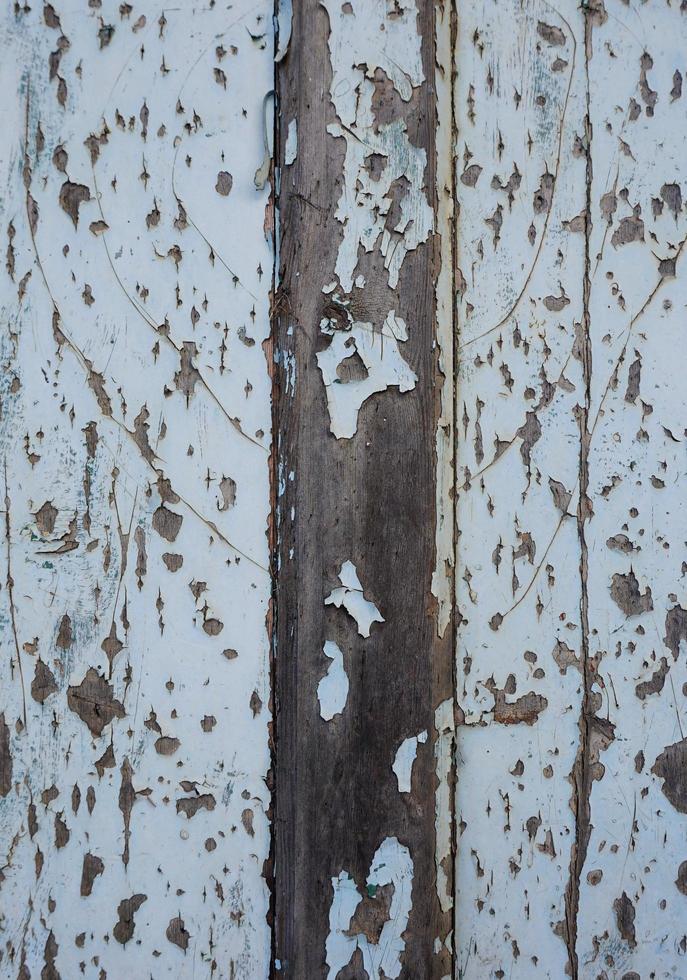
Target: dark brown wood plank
{"points": [[369, 499]]}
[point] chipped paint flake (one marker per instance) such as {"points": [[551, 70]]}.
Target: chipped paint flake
{"points": [[359, 362], [374, 922], [291, 148], [350, 596], [404, 759], [332, 691], [284, 28], [375, 43]]}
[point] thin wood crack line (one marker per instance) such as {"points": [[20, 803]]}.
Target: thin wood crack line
{"points": [[10, 595], [581, 775]]}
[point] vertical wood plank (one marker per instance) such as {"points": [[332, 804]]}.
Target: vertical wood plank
{"points": [[634, 881], [520, 254], [571, 789], [134, 474], [355, 722]]}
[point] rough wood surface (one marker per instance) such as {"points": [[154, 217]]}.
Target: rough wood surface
{"points": [[355, 799], [342, 443]]}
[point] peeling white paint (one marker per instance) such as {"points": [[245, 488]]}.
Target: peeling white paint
{"points": [[350, 596], [332, 691], [404, 759], [363, 39], [393, 45], [382, 361], [284, 27], [135, 429], [570, 474], [263, 171], [136, 432], [391, 865], [520, 175], [291, 148], [366, 201]]}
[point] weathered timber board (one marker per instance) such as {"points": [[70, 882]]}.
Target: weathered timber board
{"points": [[570, 468], [358, 261], [135, 437]]}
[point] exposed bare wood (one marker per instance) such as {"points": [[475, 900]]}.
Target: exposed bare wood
{"points": [[355, 842]]}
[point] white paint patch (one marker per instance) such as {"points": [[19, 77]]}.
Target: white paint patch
{"points": [[284, 27], [370, 41], [366, 200], [351, 597], [376, 41], [382, 363], [332, 691], [391, 865], [405, 757], [291, 148], [136, 507]]}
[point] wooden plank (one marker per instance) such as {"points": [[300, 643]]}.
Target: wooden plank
{"points": [[571, 789], [521, 383], [469, 353], [135, 439], [355, 730], [633, 884]]}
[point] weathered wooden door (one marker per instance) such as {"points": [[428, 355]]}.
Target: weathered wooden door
{"points": [[343, 428]]}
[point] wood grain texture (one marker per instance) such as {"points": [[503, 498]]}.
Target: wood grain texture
{"points": [[363, 340], [368, 499]]}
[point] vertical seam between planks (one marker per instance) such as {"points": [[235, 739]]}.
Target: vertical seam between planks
{"points": [[274, 483], [454, 27]]}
